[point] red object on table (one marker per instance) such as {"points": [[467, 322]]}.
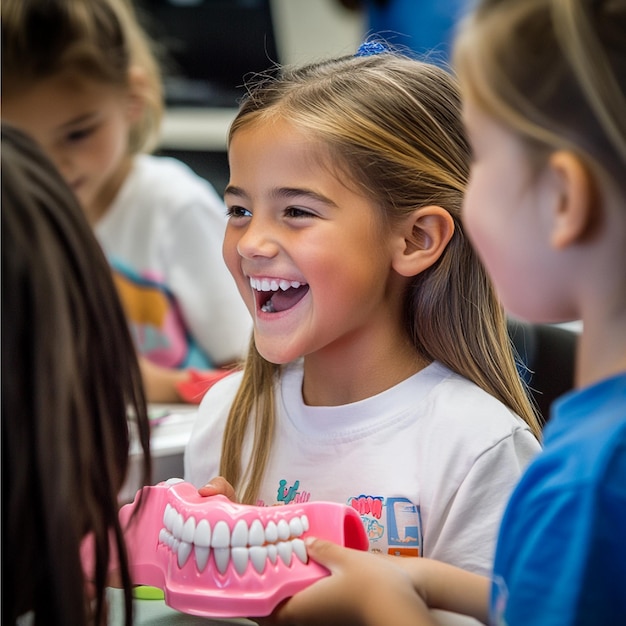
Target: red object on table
{"points": [[198, 383]]}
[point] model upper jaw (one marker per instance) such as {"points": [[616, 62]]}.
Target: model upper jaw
{"points": [[215, 557], [230, 533]]}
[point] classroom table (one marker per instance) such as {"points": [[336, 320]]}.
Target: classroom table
{"points": [[157, 613], [170, 430]]}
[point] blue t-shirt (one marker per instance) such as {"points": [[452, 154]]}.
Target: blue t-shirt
{"points": [[561, 554]]}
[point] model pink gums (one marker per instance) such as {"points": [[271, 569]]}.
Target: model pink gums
{"points": [[214, 557]]}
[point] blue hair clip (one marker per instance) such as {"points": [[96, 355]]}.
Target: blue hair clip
{"points": [[371, 48]]}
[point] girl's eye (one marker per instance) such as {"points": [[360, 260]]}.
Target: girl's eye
{"points": [[294, 211], [80, 134], [237, 211]]}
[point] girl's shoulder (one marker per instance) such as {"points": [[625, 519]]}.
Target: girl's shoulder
{"points": [[460, 403], [459, 389]]}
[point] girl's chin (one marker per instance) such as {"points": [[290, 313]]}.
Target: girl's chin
{"points": [[275, 355]]}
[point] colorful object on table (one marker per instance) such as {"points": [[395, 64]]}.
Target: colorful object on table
{"points": [[192, 389], [217, 558], [144, 592]]}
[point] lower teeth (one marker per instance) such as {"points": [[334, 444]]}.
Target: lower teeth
{"points": [[268, 307]]}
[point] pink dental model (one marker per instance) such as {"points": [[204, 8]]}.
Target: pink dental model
{"points": [[217, 558]]}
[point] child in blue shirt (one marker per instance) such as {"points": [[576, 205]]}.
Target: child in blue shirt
{"points": [[544, 100]]}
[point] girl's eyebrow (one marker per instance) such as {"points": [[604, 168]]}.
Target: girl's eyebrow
{"points": [[284, 193], [80, 119], [235, 191]]}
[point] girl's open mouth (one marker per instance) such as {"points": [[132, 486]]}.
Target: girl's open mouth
{"points": [[276, 295]]}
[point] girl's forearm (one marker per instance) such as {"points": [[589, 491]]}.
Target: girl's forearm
{"points": [[449, 588], [404, 608]]}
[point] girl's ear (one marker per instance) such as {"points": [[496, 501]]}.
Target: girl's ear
{"points": [[572, 215], [423, 237], [138, 84]]}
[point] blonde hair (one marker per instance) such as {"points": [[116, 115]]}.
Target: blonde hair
{"points": [[96, 39], [554, 71], [392, 125]]}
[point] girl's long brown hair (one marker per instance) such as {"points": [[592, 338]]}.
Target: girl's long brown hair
{"points": [[392, 125]]}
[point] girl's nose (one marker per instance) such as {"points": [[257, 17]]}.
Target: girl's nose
{"points": [[63, 163], [258, 240]]}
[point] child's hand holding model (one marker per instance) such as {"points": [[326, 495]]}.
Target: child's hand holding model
{"points": [[79, 76], [380, 375], [545, 95]]}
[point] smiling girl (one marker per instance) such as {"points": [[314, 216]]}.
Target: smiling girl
{"points": [[380, 374]]}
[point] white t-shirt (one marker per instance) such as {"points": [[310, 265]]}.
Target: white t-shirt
{"points": [[164, 231], [429, 463]]}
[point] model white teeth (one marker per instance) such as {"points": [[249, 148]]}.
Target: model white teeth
{"points": [[271, 532], [184, 550], [258, 558], [285, 551], [189, 530], [202, 543], [222, 558], [202, 557], [273, 284], [177, 529], [283, 529], [202, 536], [221, 535], [239, 538], [257, 536], [240, 559], [299, 549], [272, 552], [295, 527], [255, 543]]}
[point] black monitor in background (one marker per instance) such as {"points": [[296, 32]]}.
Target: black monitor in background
{"points": [[209, 47]]}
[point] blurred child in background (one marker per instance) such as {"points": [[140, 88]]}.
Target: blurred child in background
{"points": [[80, 77]]}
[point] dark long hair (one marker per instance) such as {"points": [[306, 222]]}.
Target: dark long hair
{"points": [[70, 379]]}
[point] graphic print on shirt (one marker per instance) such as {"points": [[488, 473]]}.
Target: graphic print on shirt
{"points": [[156, 323], [286, 494], [393, 525]]}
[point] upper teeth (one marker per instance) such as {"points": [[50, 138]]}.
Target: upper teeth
{"points": [[255, 543], [266, 284]]}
